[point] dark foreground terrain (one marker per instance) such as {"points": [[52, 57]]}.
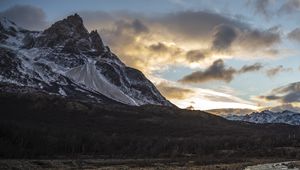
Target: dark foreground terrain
{"points": [[41, 126], [144, 164]]}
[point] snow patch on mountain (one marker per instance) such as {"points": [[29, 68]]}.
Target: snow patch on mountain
{"points": [[90, 77]]}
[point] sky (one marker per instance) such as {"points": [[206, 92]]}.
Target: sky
{"points": [[201, 54]]}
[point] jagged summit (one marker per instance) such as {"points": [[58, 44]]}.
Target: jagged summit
{"points": [[74, 19], [67, 60], [72, 25], [71, 34], [97, 42]]}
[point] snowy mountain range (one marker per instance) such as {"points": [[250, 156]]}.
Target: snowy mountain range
{"points": [[266, 116], [67, 60]]}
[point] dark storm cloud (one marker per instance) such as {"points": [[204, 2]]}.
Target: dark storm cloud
{"points": [[276, 70], [250, 68], [285, 94], [173, 92], [217, 71], [223, 37], [26, 16], [295, 35]]}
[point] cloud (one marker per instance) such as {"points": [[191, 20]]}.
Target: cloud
{"points": [[197, 55], [284, 95], [276, 70], [98, 19], [173, 92], [259, 39], [217, 71], [26, 16], [267, 9], [159, 47], [231, 111], [136, 26], [250, 68], [295, 35], [204, 99], [284, 107], [223, 37], [223, 31], [219, 98], [289, 7], [196, 25], [261, 7]]}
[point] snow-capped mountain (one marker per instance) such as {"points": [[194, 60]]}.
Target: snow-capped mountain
{"points": [[67, 60], [266, 116]]}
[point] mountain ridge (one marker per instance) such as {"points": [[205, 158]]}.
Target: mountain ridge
{"points": [[267, 116]]}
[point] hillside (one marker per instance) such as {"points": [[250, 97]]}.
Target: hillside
{"points": [[39, 125]]}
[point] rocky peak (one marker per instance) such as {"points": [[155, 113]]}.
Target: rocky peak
{"points": [[71, 34], [76, 19], [71, 26], [62, 31], [97, 42]]}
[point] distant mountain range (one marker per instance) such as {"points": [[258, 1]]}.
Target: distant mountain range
{"points": [[69, 61], [266, 116]]}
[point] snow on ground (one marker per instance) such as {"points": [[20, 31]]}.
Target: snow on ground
{"points": [[273, 166], [62, 92]]}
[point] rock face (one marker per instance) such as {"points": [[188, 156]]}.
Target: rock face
{"points": [[67, 60]]}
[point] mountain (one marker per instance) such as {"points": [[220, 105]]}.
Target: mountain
{"points": [[69, 61], [266, 116]]}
